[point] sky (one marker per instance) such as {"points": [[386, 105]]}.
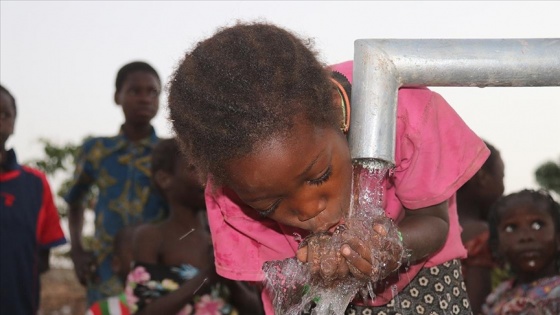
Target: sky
{"points": [[60, 58]]}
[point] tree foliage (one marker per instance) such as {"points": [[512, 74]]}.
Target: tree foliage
{"points": [[58, 163], [548, 176]]}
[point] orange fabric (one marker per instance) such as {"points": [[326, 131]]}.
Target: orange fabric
{"points": [[478, 252]]}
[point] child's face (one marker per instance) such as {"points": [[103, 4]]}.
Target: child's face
{"points": [[302, 180], [139, 97], [7, 117], [528, 239]]}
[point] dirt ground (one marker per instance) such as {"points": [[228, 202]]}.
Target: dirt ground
{"points": [[61, 293]]}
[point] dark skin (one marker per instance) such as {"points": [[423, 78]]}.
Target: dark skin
{"points": [[303, 180], [473, 203], [139, 100], [168, 244], [8, 119], [7, 124], [528, 241]]}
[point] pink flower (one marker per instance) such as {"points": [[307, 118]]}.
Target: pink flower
{"points": [[208, 306], [138, 275]]}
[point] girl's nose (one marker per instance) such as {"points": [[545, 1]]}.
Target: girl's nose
{"points": [[310, 209], [526, 235]]}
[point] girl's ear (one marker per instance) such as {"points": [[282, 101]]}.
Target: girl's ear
{"points": [[162, 180], [116, 97]]}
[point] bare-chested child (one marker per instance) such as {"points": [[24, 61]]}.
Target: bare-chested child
{"points": [[173, 271]]}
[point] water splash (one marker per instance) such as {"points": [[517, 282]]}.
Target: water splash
{"points": [[295, 288]]}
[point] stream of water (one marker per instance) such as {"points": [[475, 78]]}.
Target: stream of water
{"points": [[296, 290]]}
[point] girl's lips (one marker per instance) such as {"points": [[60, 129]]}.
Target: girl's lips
{"points": [[529, 254], [334, 226]]}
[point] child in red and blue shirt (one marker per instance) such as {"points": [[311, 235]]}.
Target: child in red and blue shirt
{"points": [[29, 223]]}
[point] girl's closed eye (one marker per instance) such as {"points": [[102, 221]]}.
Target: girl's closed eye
{"points": [[322, 178], [271, 209]]}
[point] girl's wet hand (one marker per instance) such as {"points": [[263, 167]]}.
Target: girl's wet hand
{"points": [[324, 259], [373, 257], [357, 255]]}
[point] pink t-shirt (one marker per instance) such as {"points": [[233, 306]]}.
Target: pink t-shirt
{"points": [[435, 154]]}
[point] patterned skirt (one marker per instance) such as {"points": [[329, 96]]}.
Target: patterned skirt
{"points": [[437, 290]]}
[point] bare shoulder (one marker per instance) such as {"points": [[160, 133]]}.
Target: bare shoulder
{"points": [[146, 242], [147, 231]]}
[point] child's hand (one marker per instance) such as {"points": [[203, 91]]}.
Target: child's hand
{"points": [[366, 252], [323, 256], [84, 265], [372, 256]]}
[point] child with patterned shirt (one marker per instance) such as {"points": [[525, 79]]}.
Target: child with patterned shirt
{"points": [[525, 233], [119, 167]]}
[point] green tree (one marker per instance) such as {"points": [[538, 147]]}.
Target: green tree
{"points": [[548, 176], [58, 163]]}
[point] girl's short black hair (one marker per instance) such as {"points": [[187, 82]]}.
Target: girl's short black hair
{"points": [[243, 86]]}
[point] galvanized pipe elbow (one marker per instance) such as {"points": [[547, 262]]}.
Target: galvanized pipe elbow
{"points": [[382, 66]]}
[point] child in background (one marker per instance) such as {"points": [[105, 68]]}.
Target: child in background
{"points": [[173, 264], [122, 259], [29, 223], [119, 167], [525, 233], [261, 115], [474, 200]]}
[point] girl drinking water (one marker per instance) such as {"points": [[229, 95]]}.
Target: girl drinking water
{"points": [[525, 234], [262, 117]]}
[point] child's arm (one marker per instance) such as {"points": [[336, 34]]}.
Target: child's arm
{"points": [[424, 230], [44, 254], [84, 263]]}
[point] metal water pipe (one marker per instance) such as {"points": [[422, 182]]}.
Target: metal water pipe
{"points": [[382, 66]]}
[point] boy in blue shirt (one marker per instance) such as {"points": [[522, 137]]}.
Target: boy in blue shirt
{"points": [[119, 167]]}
